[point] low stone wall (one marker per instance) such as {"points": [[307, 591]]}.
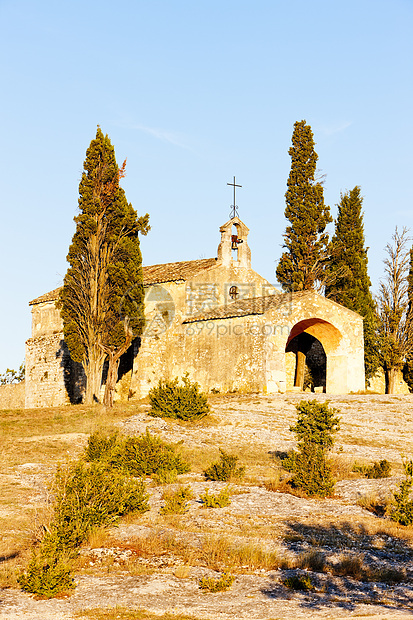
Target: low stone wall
{"points": [[12, 395]]}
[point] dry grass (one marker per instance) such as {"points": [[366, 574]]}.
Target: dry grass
{"points": [[282, 485], [255, 459], [342, 535], [97, 538], [224, 553], [350, 565], [313, 560], [353, 565], [11, 565], [342, 467], [220, 553], [374, 503], [197, 458], [278, 481], [154, 544], [42, 437]]}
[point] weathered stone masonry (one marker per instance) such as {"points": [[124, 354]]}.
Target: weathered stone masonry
{"points": [[216, 319]]}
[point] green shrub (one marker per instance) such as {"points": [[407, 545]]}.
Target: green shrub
{"points": [[169, 399], [91, 495], [225, 469], [314, 430], [176, 501], [138, 456], [47, 575], [379, 469], [101, 445], [299, 582], [289, 462], [88, 495], [402, 511], [219, 500], [148, 454], [217, 585]]}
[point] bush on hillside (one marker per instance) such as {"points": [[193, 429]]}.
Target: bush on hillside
{"points": [[169, 399], [402, 511], [225, 469], [138, 456], [88, 495], [221, 584], [176, 501], [218, 500], [314, 429], [379, 469]]}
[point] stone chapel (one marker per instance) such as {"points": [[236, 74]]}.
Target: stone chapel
{"points": [[217, 320]]}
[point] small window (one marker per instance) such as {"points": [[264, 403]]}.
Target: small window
{"points": [[233, 292]]}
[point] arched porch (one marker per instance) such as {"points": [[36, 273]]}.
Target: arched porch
{"points": [[316, 345]]}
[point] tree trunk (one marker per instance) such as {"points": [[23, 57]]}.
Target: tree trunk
{"points": [[114, 354], [111, 379], [392, 376], [93, 370], [300, 370]]}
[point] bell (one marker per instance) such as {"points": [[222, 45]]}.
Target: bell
{"points": [[234, 244]]}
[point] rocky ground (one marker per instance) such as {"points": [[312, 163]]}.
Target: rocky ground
{"points": [[264, 536]]}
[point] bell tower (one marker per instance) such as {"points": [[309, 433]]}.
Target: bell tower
{"points": [[234, 249]]}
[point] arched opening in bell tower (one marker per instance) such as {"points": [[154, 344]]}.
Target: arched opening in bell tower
{"points": [[234, 242]]}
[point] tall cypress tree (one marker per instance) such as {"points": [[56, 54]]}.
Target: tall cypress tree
{"points": [[100, 314], [348, 277], [301, 266]]}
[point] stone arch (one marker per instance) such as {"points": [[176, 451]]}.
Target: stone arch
{"points": [[236, 227], [310, 361], [330, 339]]}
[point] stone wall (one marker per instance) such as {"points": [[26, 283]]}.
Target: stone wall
{"points": [[52, 378], [12, 396], [211, 352]]}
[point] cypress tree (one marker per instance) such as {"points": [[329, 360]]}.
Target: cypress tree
{"points": [[349, 281], [301, 266], [101, 299]]}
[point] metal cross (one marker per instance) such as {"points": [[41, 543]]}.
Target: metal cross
{"points": [[234, 208]]}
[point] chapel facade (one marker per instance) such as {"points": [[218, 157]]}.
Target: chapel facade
{"points": [[217, 320]]}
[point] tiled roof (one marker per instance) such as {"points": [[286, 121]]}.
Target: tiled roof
{"points": [[242, 307], [153, 274], [259, 305], [171, 272], [50, 296]]}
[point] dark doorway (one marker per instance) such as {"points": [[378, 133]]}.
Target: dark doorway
{"points": [[311, 362]]}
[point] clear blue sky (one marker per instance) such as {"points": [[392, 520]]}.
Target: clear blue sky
{"points": [[191, 94]]}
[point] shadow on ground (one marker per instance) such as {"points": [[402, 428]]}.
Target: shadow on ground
{"points": [[347, 565]]}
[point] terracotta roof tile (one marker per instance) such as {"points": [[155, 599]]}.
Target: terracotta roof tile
{"points": [[259, 305], [153, 274], [242, 307], [172, 272], [50, 296]]}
